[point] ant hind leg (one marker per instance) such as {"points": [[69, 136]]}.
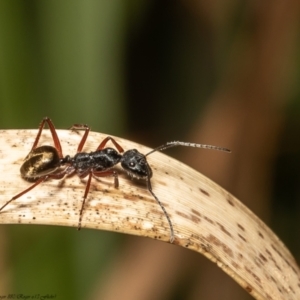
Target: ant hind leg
{"points": [[53, 133]]}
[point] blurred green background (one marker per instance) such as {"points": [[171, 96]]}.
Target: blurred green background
{"points": [[214, 72]]}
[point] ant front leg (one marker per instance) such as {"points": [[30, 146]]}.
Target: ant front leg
{"points": [[86, 129], [53, 133], [106, 174]]}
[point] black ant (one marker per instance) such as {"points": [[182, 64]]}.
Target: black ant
{"points": [[42, 163], [132, 161]]}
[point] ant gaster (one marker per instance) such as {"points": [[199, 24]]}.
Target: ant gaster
{"points": [[43, 162]]}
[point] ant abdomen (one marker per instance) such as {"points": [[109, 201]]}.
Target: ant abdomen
{"points": [[39, 162]]}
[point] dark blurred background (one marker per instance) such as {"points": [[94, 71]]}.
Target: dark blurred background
{"points": [[215, 72]]}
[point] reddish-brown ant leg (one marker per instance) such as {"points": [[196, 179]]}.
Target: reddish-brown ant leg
{"points": [[84, 127], [87, 129], [87, 188], [107, 174], [88, 184], [40, 180], [105, 141], [53, 133]]}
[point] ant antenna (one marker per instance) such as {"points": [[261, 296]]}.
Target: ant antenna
{"points": [[172, 235], [148, 172], [184, 144]]}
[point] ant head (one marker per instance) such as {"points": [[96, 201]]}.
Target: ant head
{"points": [[136, 165]]}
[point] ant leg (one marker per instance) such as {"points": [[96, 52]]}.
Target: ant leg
{"points": [[172, 236], [41, 127], [84, 127], [105, 141], [53, 133], [40, 180], [55, 137], [68, 171], [106, 174], [88, 184], [84, 198], [87, 129], [25, 191]]}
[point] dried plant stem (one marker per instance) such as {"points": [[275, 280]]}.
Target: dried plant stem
{"points": [[206, 218]]}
